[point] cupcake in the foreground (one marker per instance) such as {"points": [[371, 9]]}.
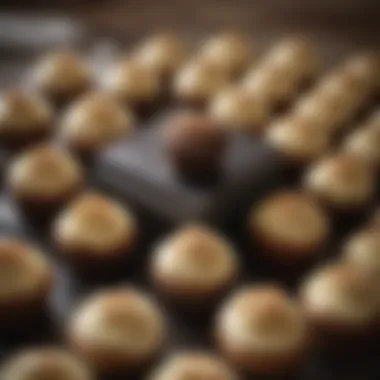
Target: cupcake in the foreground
{"points": [[195, 365], [41, 180], [134, 85], [197, 82], [93, 122], [119, 331], [340, 299], [96, 233], [194, 267], [61, 76], [236, 109], [26, 280], [299, 140], [261, 330], [341, 181], [47, 363], [229, 51], [162, 54], [25, 118], [290, 227], [195, 145]]}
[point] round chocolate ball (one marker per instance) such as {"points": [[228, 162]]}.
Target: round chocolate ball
{"points": [[118, 331], [24, 118], [296, 57], [362, 249], [341, 181], [48, 363], [93, 122], [229, 51], [240, 110], [134, 85], [95, 231], [194, 266], [364, 142], [261, 330], [26, 280], [195, 145], [193, 365], [340, 299], [290, 225], [61, 76], [44, 178], [298, 139], [162, 54], [272, 85], [197, 82]]}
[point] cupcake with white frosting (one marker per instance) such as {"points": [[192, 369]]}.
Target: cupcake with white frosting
{"points": [[262, 330], [117, 331]]}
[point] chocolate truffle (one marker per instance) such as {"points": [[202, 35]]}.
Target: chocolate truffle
{"points": [[364, 142], [298, 139], [273, 86], [341, 181], [194, 266], [296, 57], [95, 229], [26, 280], [93, 122], [47, 363], [194, 144], [43, 178], [162, 53], [362, 249], [197, 82], [24, 118], [118, 331], [61, 76], [340, 299], [193, 365], [262, 330], [229, 51], [133, 84], [240, 110], [290, 225]]}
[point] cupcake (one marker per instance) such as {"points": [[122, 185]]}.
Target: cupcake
{"points": [[229, 51], [47, 363], [24, 118], [118, 331], [341, 181], [134, 85], [26, 280], [193, 365], [362, 249], [240, 110], [364, 142], [95, 233], [61, 76], [261, 330], [299, 140], [195, 145], [340, 300], [272, 85], [197, 82], [93, 122], [162, 54], [194, 267], [43, 179], [290, 226], [296, 57]]}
